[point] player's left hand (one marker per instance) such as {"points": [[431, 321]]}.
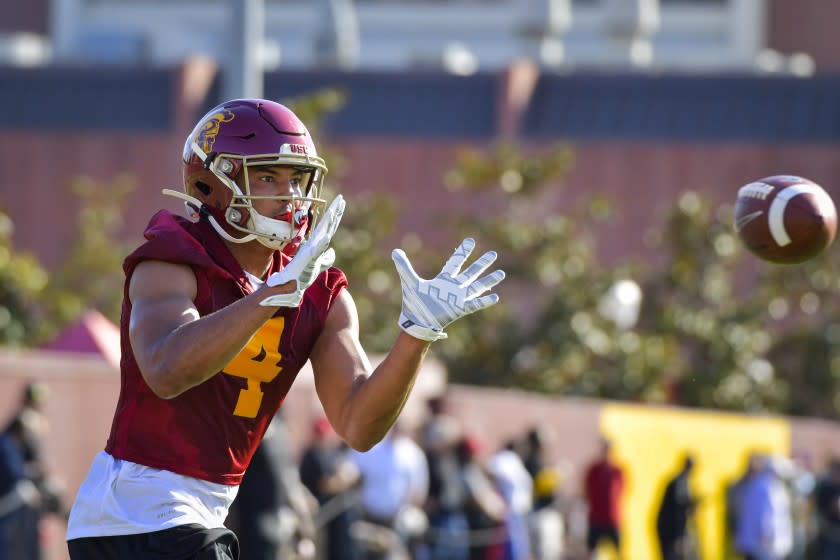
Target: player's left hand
{"points": [[313, 257], [430, 305]]}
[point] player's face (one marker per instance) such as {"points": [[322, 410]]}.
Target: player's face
{"points": [[276, 181]]}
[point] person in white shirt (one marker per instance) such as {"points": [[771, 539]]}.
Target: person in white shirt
{"points": [[395, 483], [517, 487]]}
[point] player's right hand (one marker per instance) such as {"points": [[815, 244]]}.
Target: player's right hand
{"points": [[428, 306], [313, 257]]}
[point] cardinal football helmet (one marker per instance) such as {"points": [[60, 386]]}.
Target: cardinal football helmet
{"points": [[226, 142]]}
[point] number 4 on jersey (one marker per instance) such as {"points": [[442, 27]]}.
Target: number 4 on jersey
{"points": [[258, 364]]}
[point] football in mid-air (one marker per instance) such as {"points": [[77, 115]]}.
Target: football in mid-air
{"points": [[785, 219]]}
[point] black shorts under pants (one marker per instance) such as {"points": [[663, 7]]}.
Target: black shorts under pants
{"points": [[186, 542]]}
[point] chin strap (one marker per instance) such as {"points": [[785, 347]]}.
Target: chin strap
{"points": [[191, 203]]}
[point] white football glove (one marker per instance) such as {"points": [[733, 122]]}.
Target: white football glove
{"points": [[312, 258], [428, 306]]}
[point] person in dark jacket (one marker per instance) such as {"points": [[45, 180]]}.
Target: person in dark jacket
{"points": [[18, 498], [675, 512]]}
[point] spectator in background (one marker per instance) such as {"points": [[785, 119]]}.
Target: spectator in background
{"points": [[27, 429], [18, 494], [444, 507], [827, 504], [484, 507], [801, 484], [533, 451], [548, 528], [764, 525], [439, 427], [733, 493], [603, 489], [332, 478], [273, 511], [676, 510], [517, 489], [394, 486], [31, 426]]}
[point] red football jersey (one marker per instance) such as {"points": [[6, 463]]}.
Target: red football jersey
{"points": [[211, 431]]}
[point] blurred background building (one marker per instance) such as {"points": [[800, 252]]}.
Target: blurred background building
{"points": [[463, 36]]}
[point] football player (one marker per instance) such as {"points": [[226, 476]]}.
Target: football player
{"points": [[220, 313]]}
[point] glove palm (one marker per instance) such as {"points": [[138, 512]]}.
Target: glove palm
{"points": [[429, 306], [312, 257]]}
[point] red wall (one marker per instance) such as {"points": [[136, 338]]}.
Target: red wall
{"points": [[808, 26], [31, 15], [642, 179], [37, 169]]}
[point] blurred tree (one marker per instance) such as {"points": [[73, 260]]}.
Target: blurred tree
{"points": [[703, 326], [548, 334], [90, 275], [22, 282], [692, 303], [801, 304], [373, 281], [752, 336], [34, 304]]}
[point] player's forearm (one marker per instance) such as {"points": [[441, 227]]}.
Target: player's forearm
{"points": [[198, 349], [377, 400]]}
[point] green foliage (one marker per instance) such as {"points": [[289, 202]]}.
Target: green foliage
{"points": [[692, 303], [716, 327], [374, 283], [547, 333], [752, 336], [800, 306], [90, 276], [22, 281], [36, 304]]}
